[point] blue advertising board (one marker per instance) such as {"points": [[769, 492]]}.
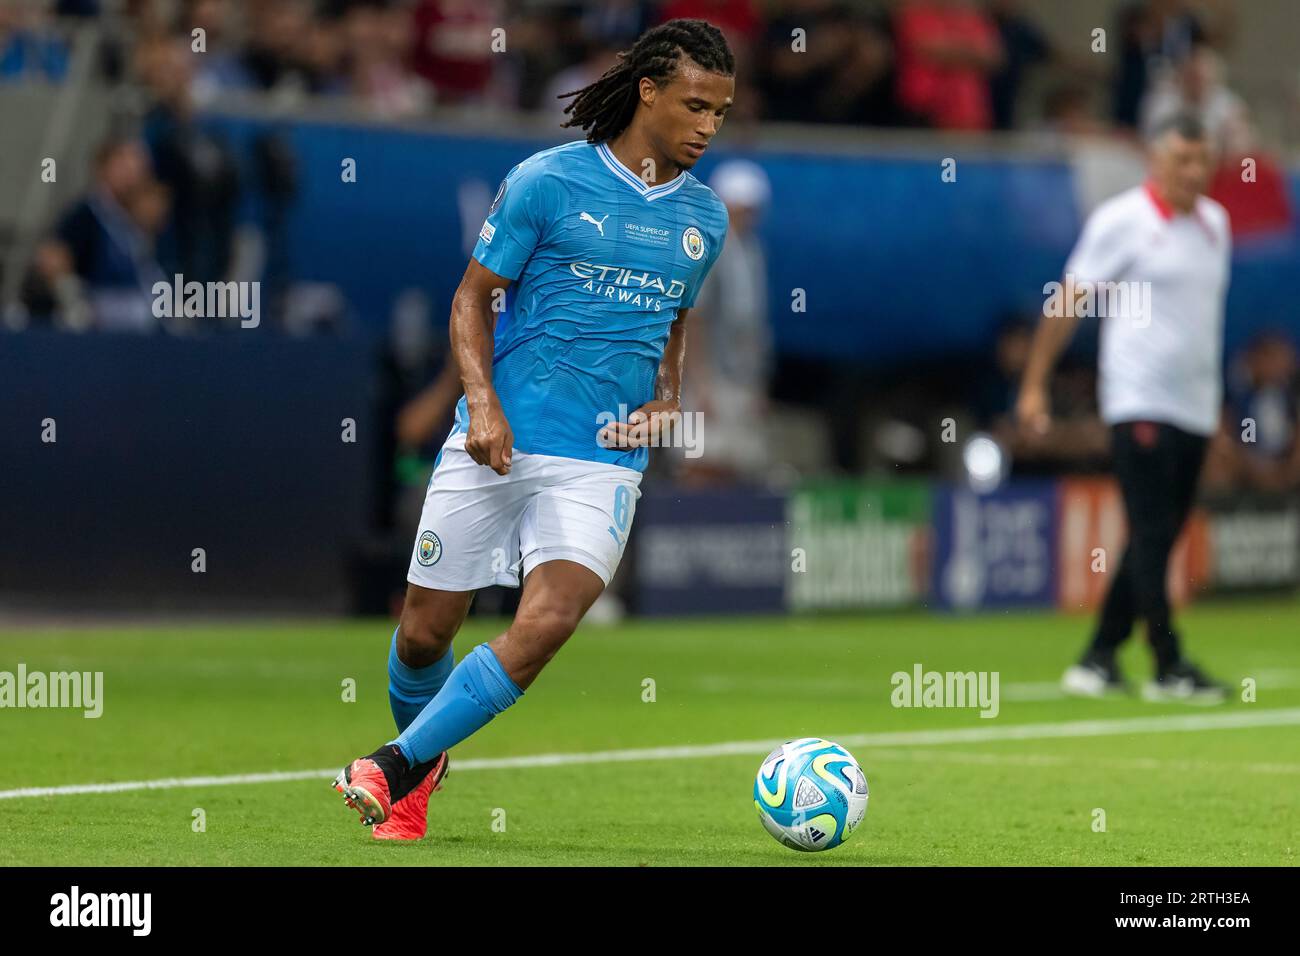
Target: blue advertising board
{"points": [[710, 552], [997, 549]]}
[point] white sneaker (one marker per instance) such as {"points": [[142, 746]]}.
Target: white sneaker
{"points": [[1084, 680], [1184, 682]]}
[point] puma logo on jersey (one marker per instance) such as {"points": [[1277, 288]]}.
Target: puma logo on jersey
{"points": [[586, 217]]}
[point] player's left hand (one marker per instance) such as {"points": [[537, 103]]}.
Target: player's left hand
{"points": [[643, 426]]}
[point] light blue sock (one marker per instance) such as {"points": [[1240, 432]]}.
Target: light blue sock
{"points": [[410, 688], [478, 690]]}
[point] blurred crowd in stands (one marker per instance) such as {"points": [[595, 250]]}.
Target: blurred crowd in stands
{"points": [[162, 197], [946, 64]]}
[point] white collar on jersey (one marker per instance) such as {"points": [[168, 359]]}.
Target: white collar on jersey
{"points": [[648, 193]]}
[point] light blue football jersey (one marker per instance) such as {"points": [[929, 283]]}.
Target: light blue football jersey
{"points": [[600, 263]]}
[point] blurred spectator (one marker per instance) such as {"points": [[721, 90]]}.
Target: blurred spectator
{"points": [[797, 66], [544, 41], [1195, 86], [97, 270], [77, 8], [947, 51], [730, 350], [1251, 184], [861, 89], [272, 60], [30, 47], [219, 67], [1024, 46], [376, 39], [739, 20], [149, 208], [838, 67], [1152, 35], [1067, 111], [1258, 447], [194, 163], [288, 50], [616, 22], [321, 56], [453, 46]]}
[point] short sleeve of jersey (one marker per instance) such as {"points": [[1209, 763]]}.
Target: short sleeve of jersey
{"points": [[717, 238], [527, 201], [1103, 251]]}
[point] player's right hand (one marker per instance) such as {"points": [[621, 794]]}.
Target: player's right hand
{"points": [[489, 440], [1034, 410]]}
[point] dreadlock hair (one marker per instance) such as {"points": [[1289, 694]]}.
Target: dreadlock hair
{"points": [[604, 109]]}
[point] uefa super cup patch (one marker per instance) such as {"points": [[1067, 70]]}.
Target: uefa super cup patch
{"points": [[429, 549], [693, 243]]}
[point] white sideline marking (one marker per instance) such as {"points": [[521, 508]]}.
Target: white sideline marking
{"points": [[1169, 723], [885, 754]]}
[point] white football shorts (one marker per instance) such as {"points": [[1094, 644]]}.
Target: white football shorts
{"points": [[479, 528]]}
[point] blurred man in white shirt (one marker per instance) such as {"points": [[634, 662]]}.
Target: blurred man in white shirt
{"points": [[1153, 263]]}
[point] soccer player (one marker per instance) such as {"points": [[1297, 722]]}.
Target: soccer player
{"points": [[1166, 249], [607, 243]]}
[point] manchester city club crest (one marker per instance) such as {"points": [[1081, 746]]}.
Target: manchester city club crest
{"points": [[429, 549], [693, 243]]}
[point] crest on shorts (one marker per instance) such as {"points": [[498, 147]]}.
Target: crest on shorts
{"points": [[429, 550], [693, 243]]}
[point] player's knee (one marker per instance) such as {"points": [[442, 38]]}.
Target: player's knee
{"points": [[424, 638]]}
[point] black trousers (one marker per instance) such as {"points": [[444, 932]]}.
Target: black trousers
{"points": [[1158, 467]]}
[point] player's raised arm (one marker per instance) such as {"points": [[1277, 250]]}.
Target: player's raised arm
{"points": [[489, 439]]}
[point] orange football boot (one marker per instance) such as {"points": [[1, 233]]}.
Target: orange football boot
{"points": [[365, 789], [410, 817]]}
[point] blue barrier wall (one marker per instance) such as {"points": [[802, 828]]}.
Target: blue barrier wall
{"points": [[230, 444], [896, 264]]}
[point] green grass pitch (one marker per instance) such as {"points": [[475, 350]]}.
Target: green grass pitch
{"points": [[226, 699]]}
